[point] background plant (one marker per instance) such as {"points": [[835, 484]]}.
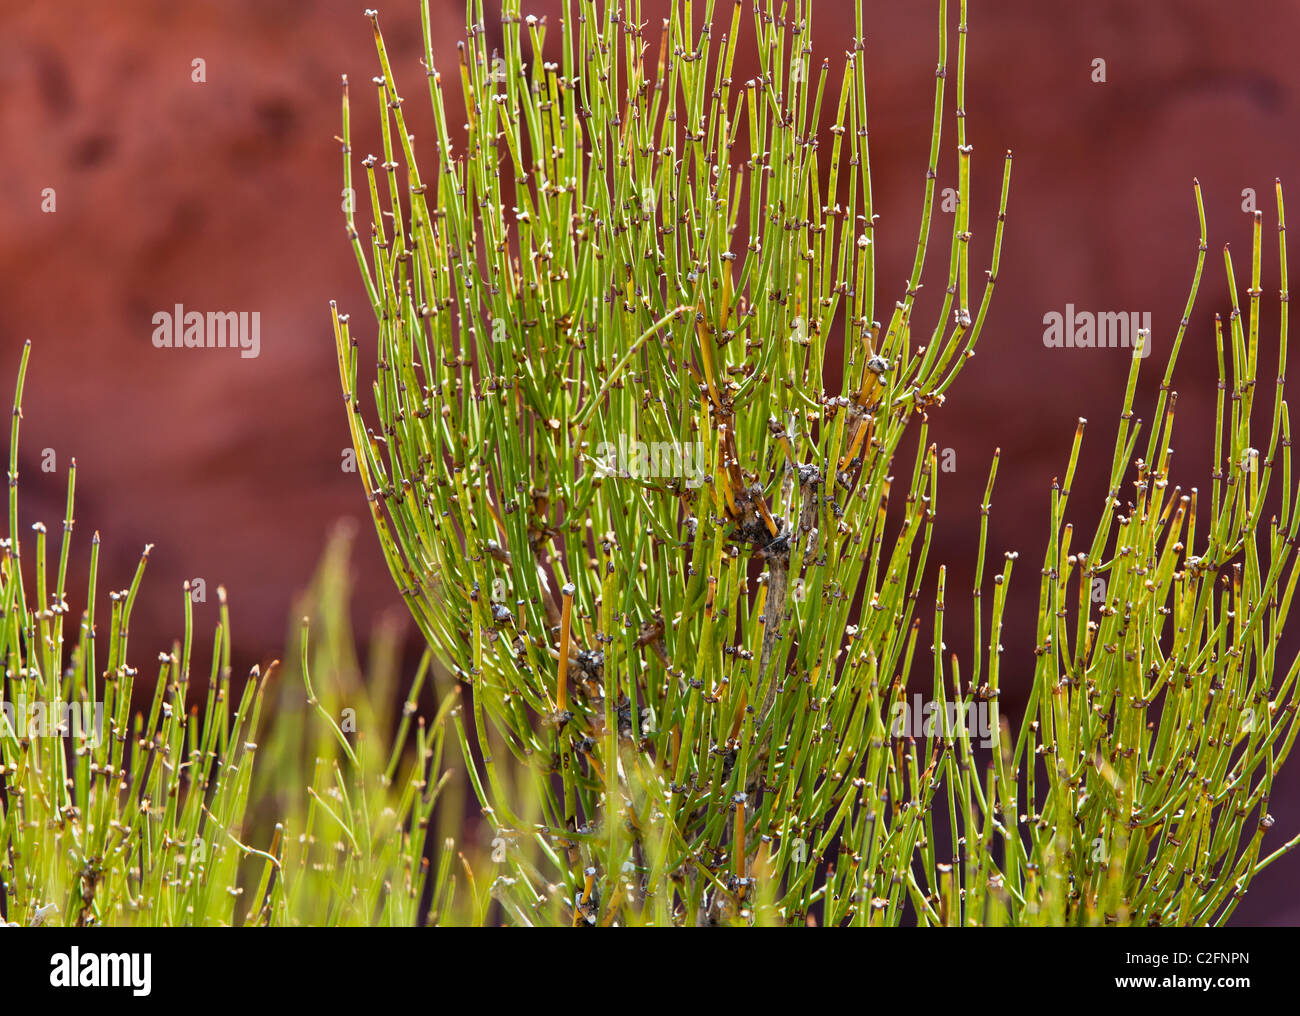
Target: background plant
{"points": [[207, 811], [1160, 712]]}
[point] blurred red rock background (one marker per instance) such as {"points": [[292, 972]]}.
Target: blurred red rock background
{"points": [[224, 195]]}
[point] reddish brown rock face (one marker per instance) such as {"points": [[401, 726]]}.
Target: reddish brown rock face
{"points": [[223, 195]]}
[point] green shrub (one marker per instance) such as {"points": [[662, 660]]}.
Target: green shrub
{"points": [[194, 815], [682, 688]]}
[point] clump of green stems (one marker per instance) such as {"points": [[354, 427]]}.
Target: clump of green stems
{"points": [[680, 696], [152, 820], [1158, 720]]}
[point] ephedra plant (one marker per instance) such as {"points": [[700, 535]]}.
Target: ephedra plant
{"points": [[211, 805], [681, 682]]}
